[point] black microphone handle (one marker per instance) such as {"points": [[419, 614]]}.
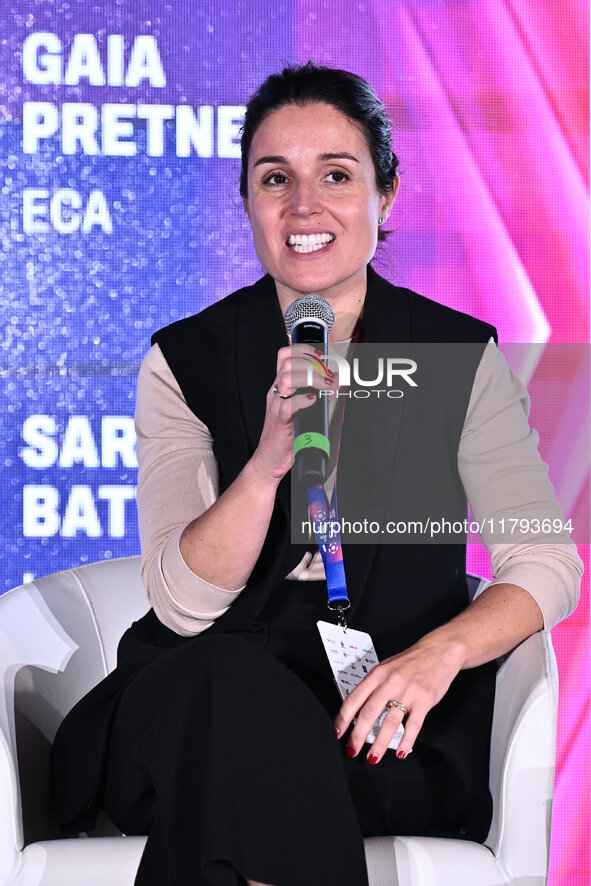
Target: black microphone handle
{"points": [[311, 423]]}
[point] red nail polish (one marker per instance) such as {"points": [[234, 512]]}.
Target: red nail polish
{"points": [[311, 396], [338, 732], [350, 751], [401, 754], [372, 759]]}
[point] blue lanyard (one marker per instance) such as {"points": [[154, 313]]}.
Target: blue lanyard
{"points": [[326, 529], [325, 523]]}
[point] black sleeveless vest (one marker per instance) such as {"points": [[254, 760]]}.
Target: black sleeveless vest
{"points": [[224, 361]]}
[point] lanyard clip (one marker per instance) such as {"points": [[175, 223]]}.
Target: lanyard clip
{"points": [[339, 606]]}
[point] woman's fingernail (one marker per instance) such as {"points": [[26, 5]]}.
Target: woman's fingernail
{"points": [[331, 373], [311, 396], [338, 732], [401, 754], [350, 751], [372, 759]]}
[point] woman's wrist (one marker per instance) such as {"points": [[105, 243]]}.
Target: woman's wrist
{"points": [[500, 618], [448, 645], [258, 472]]}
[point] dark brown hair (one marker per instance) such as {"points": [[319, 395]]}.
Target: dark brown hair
{"points": [[347, 92]]}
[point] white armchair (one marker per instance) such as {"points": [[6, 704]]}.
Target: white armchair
{"points": [[58, 638]]}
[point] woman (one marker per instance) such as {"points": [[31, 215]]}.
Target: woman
{"points": [[215, 733]]}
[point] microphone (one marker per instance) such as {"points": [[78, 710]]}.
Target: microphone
{"points": [[309, 319]]}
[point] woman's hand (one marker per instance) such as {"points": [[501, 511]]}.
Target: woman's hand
{"points": [[500, 618], [223, 544], [298, 366], [417, 678]]}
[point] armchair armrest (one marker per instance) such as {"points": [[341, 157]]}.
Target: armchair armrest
{"points": [[523, 748]]}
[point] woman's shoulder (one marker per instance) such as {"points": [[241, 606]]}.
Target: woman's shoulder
{"points": [[431, 321], [448, 323], [220, 316]]}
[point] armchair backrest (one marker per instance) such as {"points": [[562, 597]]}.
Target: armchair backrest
{"points": [[58, 638]]}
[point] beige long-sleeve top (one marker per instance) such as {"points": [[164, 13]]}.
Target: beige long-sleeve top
{"points": [[498, 463]]}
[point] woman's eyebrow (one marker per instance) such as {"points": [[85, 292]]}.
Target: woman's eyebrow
{"points": [[339, 156], [276, 158]]}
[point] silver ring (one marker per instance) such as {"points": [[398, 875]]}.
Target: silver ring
{"points": [[397, 704], [275, 391]]}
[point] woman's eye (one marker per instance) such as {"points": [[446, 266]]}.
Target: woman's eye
{"points": [[276, 178], [338, 176]]}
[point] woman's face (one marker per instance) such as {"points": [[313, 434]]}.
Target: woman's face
{"points": [[313, 203]]}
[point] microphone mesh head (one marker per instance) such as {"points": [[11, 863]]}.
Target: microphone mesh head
{"points": [[309, 307]]}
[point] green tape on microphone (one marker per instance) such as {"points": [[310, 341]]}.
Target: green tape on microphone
{"points": [[311, 440]]}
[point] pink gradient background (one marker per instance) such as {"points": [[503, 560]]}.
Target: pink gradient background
{"points": [[490, 105]]}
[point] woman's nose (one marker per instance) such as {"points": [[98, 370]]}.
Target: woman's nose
{"points": [[305, 198]]}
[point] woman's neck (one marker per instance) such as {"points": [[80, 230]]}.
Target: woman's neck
{"points": [[345, 326], [346, 302]]}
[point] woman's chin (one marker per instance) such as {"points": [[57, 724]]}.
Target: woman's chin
{"points": [[306, 278]]}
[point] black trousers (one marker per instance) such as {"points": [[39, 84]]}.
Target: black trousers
{"points": [[223, 751], [238, 775]]}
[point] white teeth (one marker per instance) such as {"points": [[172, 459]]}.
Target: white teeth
{"points": [[309, 242], [308, 248]]}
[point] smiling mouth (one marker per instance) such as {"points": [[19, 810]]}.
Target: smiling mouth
{"points": [[303, 243]]}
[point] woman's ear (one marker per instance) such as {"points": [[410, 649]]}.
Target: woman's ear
{"points": [[388, 199]]}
